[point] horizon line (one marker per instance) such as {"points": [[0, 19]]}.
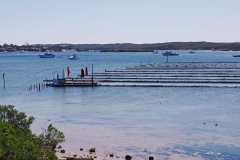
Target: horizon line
{"points": [[67, 43]]}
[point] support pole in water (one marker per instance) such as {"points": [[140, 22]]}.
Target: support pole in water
{"points": [[92, 75], [4, 83]]}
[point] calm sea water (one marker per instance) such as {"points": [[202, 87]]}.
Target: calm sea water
{"points": [[200, 123]]}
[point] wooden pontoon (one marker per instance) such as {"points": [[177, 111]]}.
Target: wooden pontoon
{"points": [[71, 82]]}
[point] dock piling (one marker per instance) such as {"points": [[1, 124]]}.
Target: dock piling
{"points": [[4, 81], [92, 75], [167, 59]]}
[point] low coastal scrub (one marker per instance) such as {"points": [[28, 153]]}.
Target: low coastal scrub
{"points": [[17, 142]]}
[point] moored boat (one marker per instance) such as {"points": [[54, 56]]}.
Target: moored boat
{"points": [[156, 52], [169, 53], [47, 55], [236, 55], [73, 57], [191, 52]]}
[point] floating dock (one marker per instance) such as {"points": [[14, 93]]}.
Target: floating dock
{"points": [[162, 75], [71, 82]]}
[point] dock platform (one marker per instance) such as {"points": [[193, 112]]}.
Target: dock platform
{"points": [[162, 75]]}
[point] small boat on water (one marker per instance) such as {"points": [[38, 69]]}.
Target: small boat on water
{"points": [[236, 55], [156, 52], [73, 57], [191, 52], [47, 55], [169, 53]]}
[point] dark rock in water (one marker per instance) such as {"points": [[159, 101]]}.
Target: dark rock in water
{"points": [[204, 123], [92, 150], [111, 155], [74, 155], [81, 149], [62, 151], [128, 157], [151, 158], [216, 125], [59, 147]]}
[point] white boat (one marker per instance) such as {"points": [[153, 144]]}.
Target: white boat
{"points": [[166, 53], [73, 57], [191, 52], [47, 55], [156, 52]]}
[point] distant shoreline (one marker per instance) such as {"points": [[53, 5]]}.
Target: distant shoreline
{"points": [[122, 47]]}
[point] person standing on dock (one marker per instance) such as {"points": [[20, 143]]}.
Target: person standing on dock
{"points": [[86, 71], [82, 73], [63, 74], [68, 71]]}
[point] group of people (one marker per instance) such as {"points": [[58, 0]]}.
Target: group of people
{"points": [[67, 73]]}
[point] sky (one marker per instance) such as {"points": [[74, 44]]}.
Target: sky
{"points": [[118, 21]]}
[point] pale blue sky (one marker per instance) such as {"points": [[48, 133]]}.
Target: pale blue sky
{"points": [[110, 21]]}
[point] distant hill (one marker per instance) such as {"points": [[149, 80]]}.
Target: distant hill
{"points": [[125, 47]]}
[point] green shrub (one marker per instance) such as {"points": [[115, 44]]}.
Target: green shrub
{"points": [[17, 142]]}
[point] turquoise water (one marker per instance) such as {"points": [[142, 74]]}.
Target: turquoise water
{"points": [[158, 121]]}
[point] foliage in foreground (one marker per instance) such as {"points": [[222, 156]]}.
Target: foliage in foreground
{"points": [[17, 142]]}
